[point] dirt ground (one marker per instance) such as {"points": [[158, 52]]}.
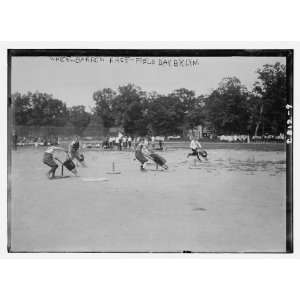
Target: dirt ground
{"points": [[234, 202]]}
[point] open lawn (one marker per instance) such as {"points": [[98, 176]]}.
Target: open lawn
{"points": [[233, 202]]}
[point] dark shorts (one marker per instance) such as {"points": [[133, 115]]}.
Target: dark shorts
{"points": [[49, 161], [194, 152], [199, 153]]}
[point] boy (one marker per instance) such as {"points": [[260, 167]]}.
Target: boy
{"points": [[196, 146]]}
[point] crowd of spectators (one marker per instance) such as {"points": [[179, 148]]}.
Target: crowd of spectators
{"points": [[21, 141], [130, 143], [267, 138]]}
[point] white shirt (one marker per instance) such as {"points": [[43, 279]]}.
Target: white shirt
{"points": [[195, 144], [198, 144], [71, 146]]}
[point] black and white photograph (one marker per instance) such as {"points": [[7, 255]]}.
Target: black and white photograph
{"points": [[150, 151]]}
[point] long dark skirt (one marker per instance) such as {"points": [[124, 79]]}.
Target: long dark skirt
{"points": [[140, 156]]}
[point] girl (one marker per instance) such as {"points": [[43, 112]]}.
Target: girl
{"points": [[74, 151], [139, 155], [48, 159], [142, 154]]}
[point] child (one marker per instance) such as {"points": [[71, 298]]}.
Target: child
{"points": [[74, 151], [140, 154], [196, 146], [49, 160]]}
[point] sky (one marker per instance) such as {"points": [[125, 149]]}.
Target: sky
{"points": [[74, 80]]}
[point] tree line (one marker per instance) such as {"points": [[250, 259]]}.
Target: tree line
{"points": [[229, 109]]}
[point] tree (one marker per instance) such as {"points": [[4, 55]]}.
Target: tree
{"points": [[270, 98], [39, 109], [127, 95], [56, 113], [165, 115], [135, 121], [157, 113], [104, 106], [226, 107], [22, 108], [255, 108], [196, 116], [186, 97], [79, 118], [191, 106]]}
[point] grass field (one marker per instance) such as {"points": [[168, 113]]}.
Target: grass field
{"points": [[233, 202]]}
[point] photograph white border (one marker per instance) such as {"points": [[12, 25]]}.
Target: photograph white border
{"points": [[240, 276], [129, 45]]}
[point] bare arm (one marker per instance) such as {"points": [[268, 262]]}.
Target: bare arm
{"points": [[59, 149]]}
